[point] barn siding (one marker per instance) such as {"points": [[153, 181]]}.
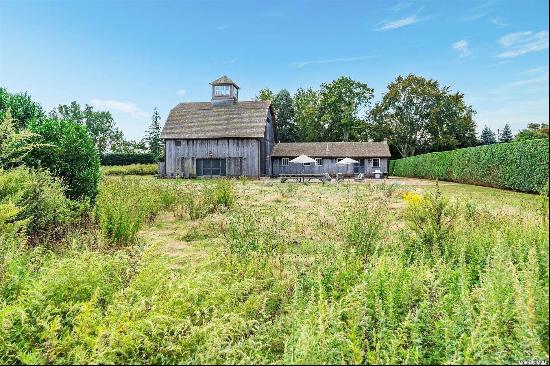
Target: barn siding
{"points": [[329, 166], [242, 156]]}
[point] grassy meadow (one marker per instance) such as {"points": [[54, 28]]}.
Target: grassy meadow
{"points": [[242, 271]]}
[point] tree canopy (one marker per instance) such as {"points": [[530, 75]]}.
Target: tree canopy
{"points": [[487, 136], [417, 115]]}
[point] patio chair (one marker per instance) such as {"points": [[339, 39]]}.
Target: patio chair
{"points": [[359, 177]]}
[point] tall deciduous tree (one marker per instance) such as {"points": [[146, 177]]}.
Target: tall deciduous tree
{"points": [[417, 115], [533, 131], [306, 115], [342, 102], [152, 138], [100, 124], [266, 95], [285, 124], [506, 134], [487, 136]]}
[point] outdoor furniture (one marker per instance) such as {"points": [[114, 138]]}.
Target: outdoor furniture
{"points": [[377, 174], [359, 177], [324, 177]]}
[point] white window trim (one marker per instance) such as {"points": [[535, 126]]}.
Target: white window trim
{"points": [[372, 164], [285, 161], [318, 161]]}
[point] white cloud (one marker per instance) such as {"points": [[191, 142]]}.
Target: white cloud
{"points": [[520, 43], [301, 64], [462, 47], [395, 24], [498, 21], [181, 92], [116, 105]]}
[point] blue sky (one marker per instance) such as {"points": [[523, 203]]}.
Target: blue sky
{"points": [[131, 56]]}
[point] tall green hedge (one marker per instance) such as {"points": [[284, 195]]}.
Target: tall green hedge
{"points": [[128, 158], [520, 166]]}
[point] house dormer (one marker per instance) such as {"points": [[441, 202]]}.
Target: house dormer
{"points": [[224, 91]]}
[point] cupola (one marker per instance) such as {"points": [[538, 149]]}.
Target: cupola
{"points": [[224, 91]]}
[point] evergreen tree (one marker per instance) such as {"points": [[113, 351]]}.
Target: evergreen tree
{"points": [[152, 138], [506, 135], [487, 137]]}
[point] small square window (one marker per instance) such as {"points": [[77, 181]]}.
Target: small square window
{"points": [[178, 143], [284, 161], [318, 161], [376, 162], [221, 90]]}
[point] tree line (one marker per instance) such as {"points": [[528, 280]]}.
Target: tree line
{"points": [[100, 125], [416, 115]]}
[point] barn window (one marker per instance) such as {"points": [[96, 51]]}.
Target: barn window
{"points": [[339, 160], [284, 161], [318, 161], [376, 162], [221, 90], [178, 143]]}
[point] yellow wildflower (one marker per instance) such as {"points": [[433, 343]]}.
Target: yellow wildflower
{"points": [[413, 198]]}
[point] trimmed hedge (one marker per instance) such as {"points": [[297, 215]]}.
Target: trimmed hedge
{"points": [[520, 166], [128, 159]]}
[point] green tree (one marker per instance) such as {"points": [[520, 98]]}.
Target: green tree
{"points": [[533, 131], [100, 124], [487, 137], [153, 140], [69, 153], [265, 95], [417, 115], [341, 103], [306, 115], [285, 124], [506, 134], [22, 108]]}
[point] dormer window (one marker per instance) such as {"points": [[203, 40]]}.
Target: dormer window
{"points": [[222, 90]]}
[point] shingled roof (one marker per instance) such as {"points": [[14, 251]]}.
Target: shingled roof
{"points": [[224, 80], [205, 121], [332, 149]]}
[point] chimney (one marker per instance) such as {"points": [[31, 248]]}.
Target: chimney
{"points": [[224, 91]]}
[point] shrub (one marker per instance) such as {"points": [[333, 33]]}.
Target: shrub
{"points": [[38, 200], [521, 166], [70, 156], [133, 169], [128, 158]]}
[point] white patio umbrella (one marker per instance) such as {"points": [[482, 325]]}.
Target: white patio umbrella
{"points": [[302, 159], [346, 161]]}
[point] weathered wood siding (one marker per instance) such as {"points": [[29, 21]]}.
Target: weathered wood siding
{"points": [[266, 146], [242, 156], [329, 166]]}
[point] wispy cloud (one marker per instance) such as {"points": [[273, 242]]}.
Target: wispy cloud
{"points": [[402, 5], [498, 21], [400, 23], [181, 92], [231, 61], [462, 47], [520, 43], [301, 64], [116, 105]]}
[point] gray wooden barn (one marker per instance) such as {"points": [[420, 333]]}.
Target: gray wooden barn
{"points": [[228, 137], [223, 137], [372, 156]]}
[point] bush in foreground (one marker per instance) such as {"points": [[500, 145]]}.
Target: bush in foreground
{"points": [[68, 153], [521, 166]]}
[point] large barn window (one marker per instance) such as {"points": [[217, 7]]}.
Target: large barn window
{"points": [[376, 162], [221, 90], [284, 161]]}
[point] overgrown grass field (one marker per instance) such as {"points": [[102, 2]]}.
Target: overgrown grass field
{"points": [[239, 271]]}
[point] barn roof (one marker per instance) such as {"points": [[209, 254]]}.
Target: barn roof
{"points": [[332, 149], [224, 80], [204, 120]]}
